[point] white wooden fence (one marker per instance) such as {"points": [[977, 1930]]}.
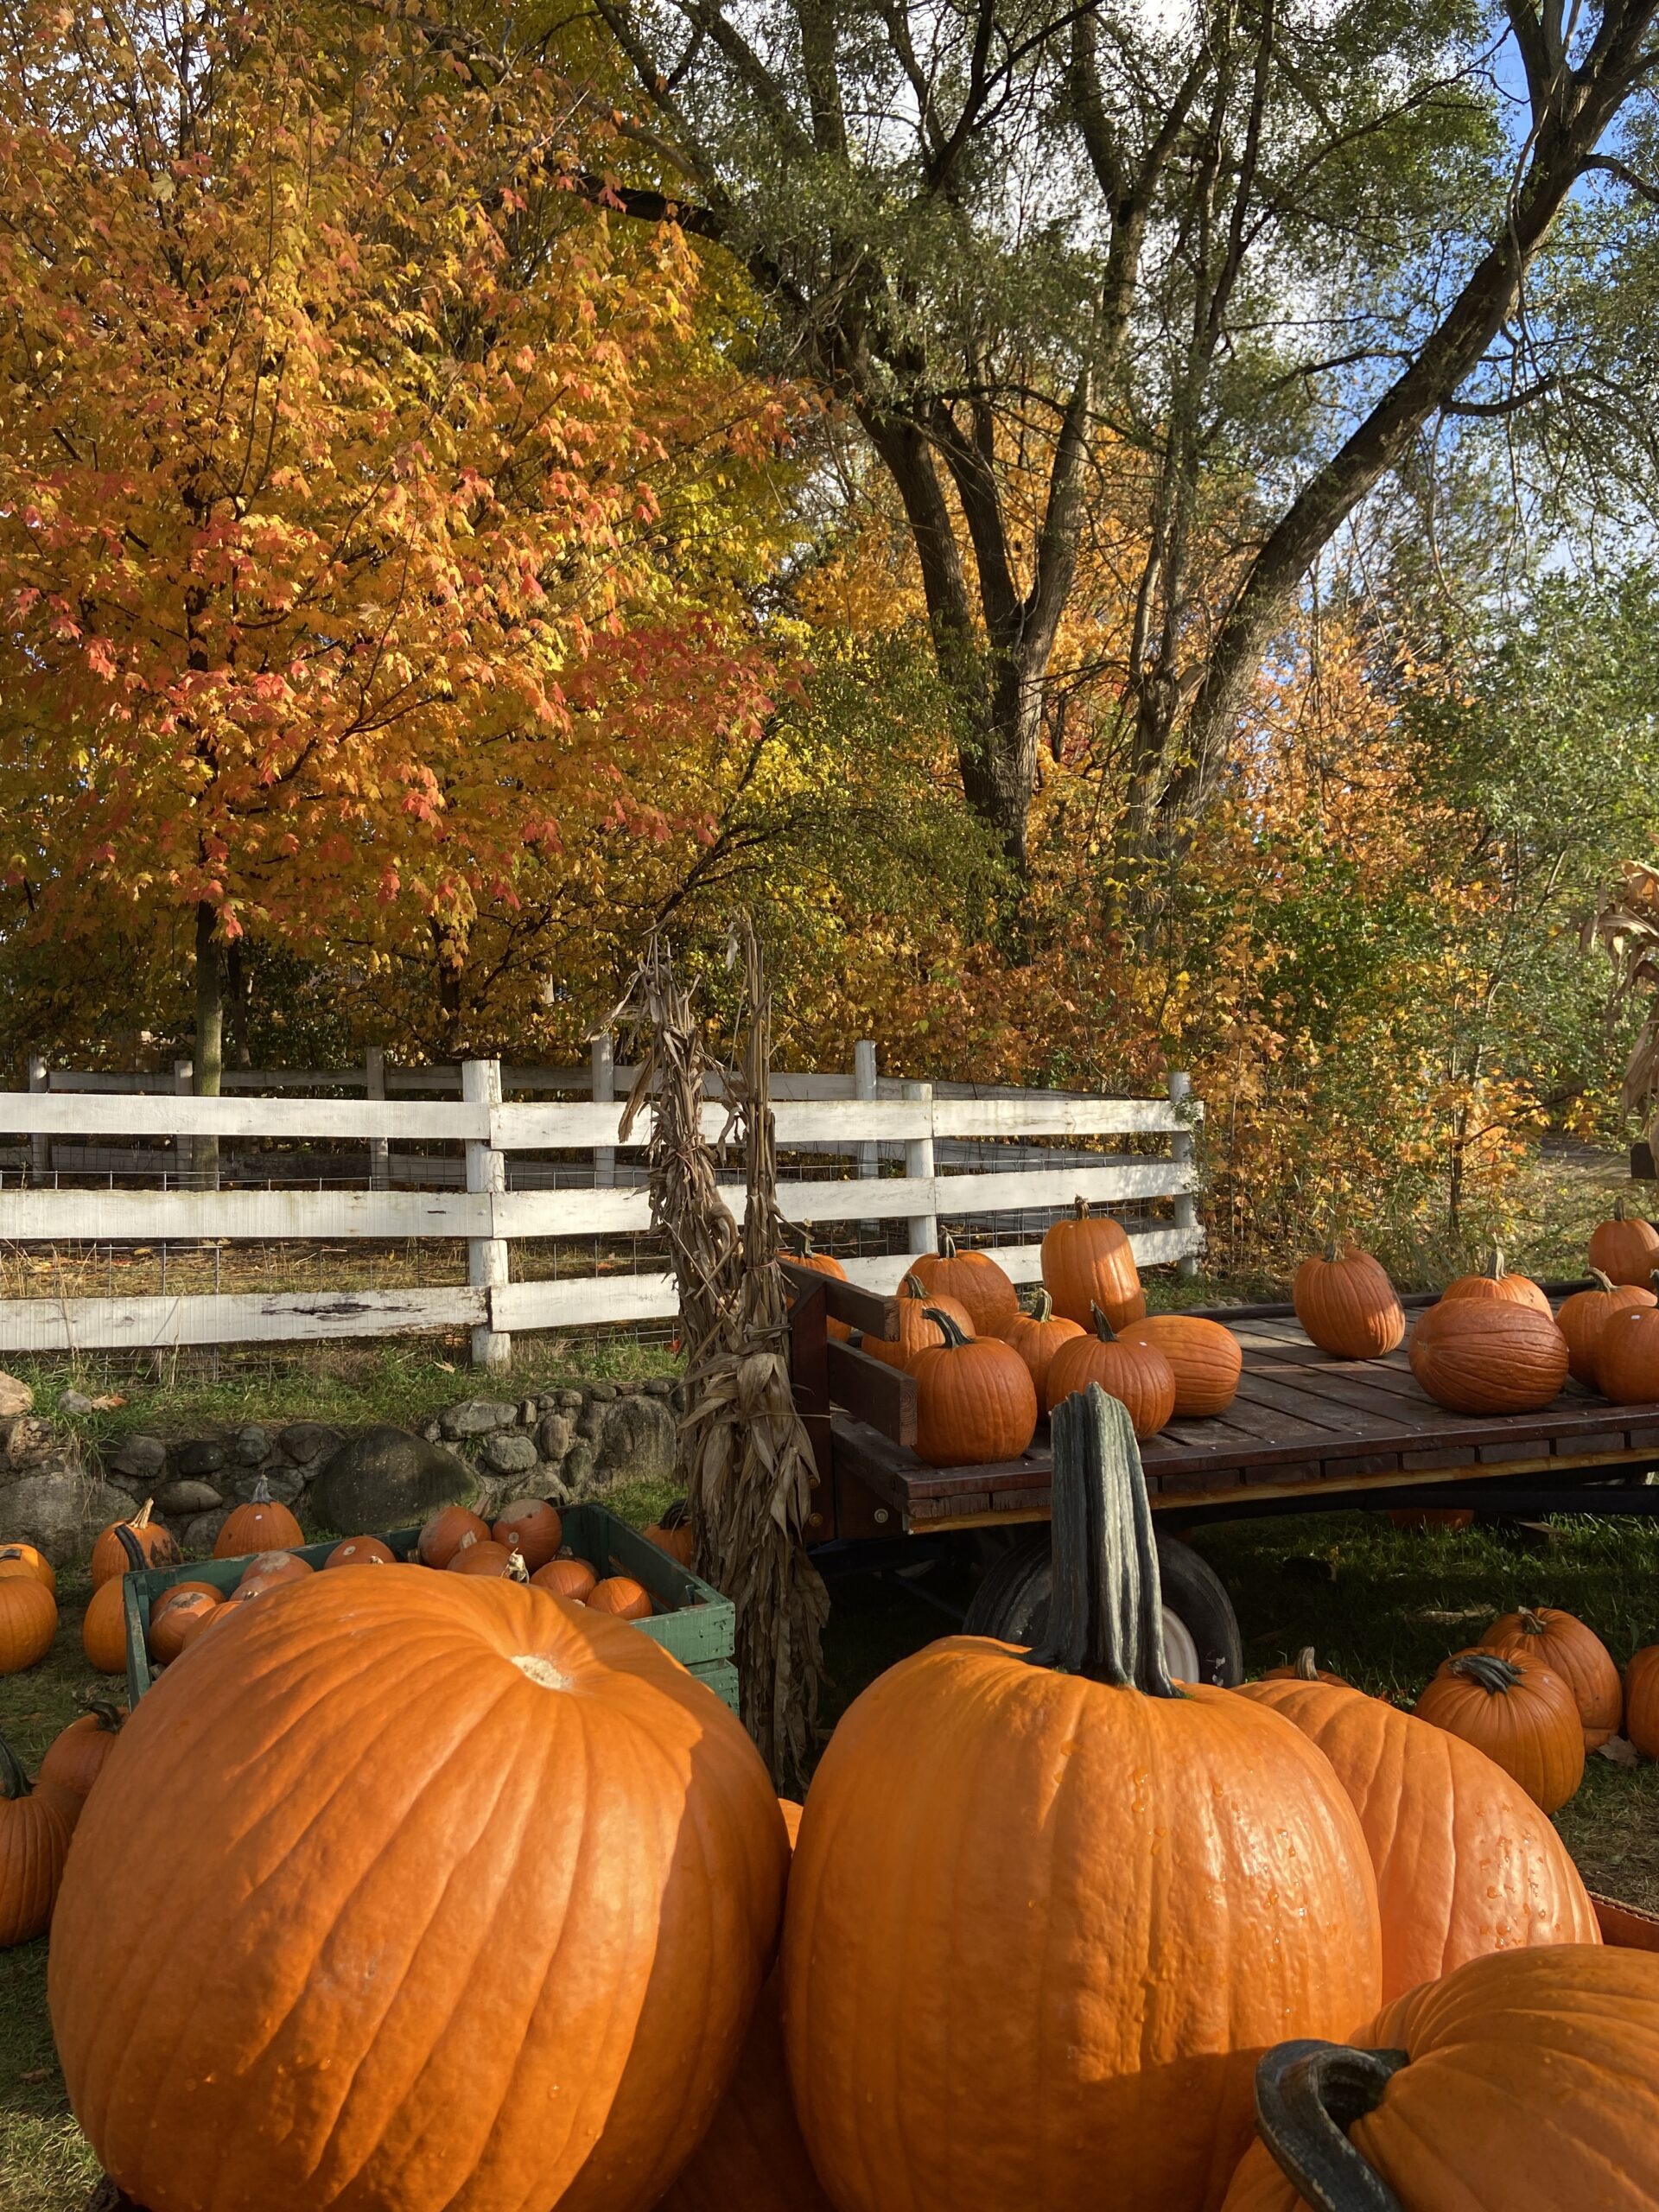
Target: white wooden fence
{"points": [[489, 1215]]}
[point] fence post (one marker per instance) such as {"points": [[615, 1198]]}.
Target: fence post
{"points": [[486, 1172], [868, 1155], [374, 1085], [919, 1162], [602, 1059], [1186, 1206], [39, 1147], [184, 1086]]}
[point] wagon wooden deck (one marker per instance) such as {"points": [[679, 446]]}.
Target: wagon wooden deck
{"points": [[1303, 1423]]}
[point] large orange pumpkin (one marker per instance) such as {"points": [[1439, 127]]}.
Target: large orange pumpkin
{"points": [[1088, 1261], [911, 1330], [29, 1621], [1582, 1318], [111, 1558], [1494, 1285], [1126, 1368], [1517, 1712], [1037, 1336], [974, 1279], [1476, 1356], [1346, 1304], [75, 1759], [1205, 1359], [1626, 1248], [1642, 1701], [1529, 2080], [24, 1558], [1627, 1357], [263, 1524], [1465, 1861], [1562, 1643], [391, 1777], [1040, 1924], [36, 1826], [975, 1402], [821, 1264]]}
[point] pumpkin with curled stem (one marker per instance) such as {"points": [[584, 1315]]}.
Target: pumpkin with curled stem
{"points": [[1346, 1304], [1525, 1718], [1626, 1248], [1562, 1643], [1127, 1367], [975, 1402], [1089, 1262], [1582, 1318], [1475, 1356], [912, 1331], [104, 1624]]}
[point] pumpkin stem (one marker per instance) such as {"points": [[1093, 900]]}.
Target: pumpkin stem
{"points": [[104, 1711], [1488, 1670], [1332, 1252], [517, 1571], [1618, 1208], [949, 1329], [14, 1782], [1106, 1617], [1104, 1328], [1308, 2095], [134, 1551], [1533, 1621], [1080, 1209], [1496, 1270], [1041, 1307], [141, 1518], [260, 1494], [913, 1287], [1602, 1282], [1305, 1669], [947, 1247]]}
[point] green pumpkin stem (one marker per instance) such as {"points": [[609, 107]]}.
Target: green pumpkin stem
{"points": [[137, 1562], [1041, 1307], [950, 1331], [14, 1782], [947, 1246], [1106, 1617], [1488, 1670], [1104, 1328], [913, 1287], [1332, 1251], [1308, 2096], [1496, 1269]]}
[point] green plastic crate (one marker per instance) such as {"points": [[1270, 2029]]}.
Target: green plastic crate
{"points": [[698, 1627]]}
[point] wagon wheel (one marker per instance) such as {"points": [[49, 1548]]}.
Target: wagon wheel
{"points": [[1200, 1628]]}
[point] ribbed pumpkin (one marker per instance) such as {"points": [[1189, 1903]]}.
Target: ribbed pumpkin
{"points": [[1126, 1368], [1517, 1712], [530, 1785], [567, 1578], [361, 1551], [443, 1535], [1626, 1248], [1040, 1924], [110, 1557], [1627, 1357], [36, 1826], [672, 1534], [823, 1263], [487, 1559], [1465, 1861], [911, 1330], [974, 1279], [175, 1590], [1495, 1286], [1205, 1359], [275, 1567], [172, 1628], [1088, 1261], [29, 1621], [533, 1527], [1036, 1335], [1305, 1667], [621, 1595], [975, 1402], [1477, 1356], [1642, 1701], [1562, 1643], [104, 1624], [1529, 2080], [1583, 1317], [75, 1759], [263, 1524], [1346, 1304], [24, 1558]]}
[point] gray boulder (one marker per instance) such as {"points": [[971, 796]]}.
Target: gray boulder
{"points": [[198, 1537], [252, 1445], [509, 1452], [602, 1394], [658, 1386], [137, 1459], [637, 1442], [181, 1501], [577, 1472], [205, 1457], [281, 1478], [74, 1404], [33, 1443], [15, 1397], [59, 1510], [476, 1417], [553, 1438], [386, 1478], [305, 1442]]}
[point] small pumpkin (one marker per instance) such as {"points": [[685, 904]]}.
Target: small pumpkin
{"points": [[1561, 1642], [533, 1527], [1521, 1716], [75, 1759], [275, 1567], [1037, 1334], [1582, 1318], [572, 1578], [975, 1401], [263, 1524], [24, 1558], [1302, 1669], [1480, 1356], [29, 1622], [911, 1330], [1626, 1248], [111, 1558], [824, 1263], [672, 1534], [487, 1559], [361, 1551], [1642, 1701], [1088, 1261], [175, 1590], [172, 1628], [621, 1595], [1627, 1357], [441, 1537], [974, 1279], [1127, 1367], [104, 1624], [1346, 1304], [1205, 1359], [1495, 1285], [36, 1826]]}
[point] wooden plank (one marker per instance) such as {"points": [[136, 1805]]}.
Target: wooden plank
{"points": [[577, 1301], [1039, 1114], [1112, 1182], [42, 1325], [846, 1301], [146, 1217], [54, 1115], [871, 1391]]}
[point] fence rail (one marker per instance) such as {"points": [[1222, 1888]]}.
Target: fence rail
{"points": [[980, 1159]]}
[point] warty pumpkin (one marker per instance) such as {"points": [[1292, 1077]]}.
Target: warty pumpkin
{"points": [[1346, 1304], [1475, 1356], [1465, 1862], [1064, 1910], [110, 1557], [974, 1279], [1127, 1367], [1626, 1248], [1205, 1359], [442, 1535], [1037, 1334], [36, 1826], [29, 1622], [104, 1624], [24, 1558], [1520, 1714], [1565, 1647], [1088, 1261], [532, 1527], [1528, 2080], [263, 1524], [1642, 1701], [524, 1780], [361, 1551], [975, 1402], [821, 1263], [1582, 1318], [1304, 1667], [1627, 1357], [621, 1595], [911, 1330], [1495, 1285], [75, 1759], [566, 1578]]}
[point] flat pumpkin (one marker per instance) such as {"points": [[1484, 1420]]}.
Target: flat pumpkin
{"points": [[1205, 1359], [1037, 1334], [1346, 1304], [1626, 1248], [1127, 1367], [1562, 1643], [1582, 1318], [1476, 1356], [1495, 1285], [522, 1778], [974, 1279], [1088, 1261], [911, 1330], [975, 1402], [1515, 1711]]}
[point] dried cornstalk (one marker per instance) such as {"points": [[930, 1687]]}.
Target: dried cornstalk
{"points": [[1626, 926], [744, 1452]]}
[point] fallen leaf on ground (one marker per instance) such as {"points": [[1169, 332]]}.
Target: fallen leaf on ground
{"points": [[1619, 1749]]}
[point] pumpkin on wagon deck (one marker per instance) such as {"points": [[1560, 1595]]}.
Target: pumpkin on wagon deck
{"points": [[1627, 1357], [1479, 1355], [974, 1279], [975, 1401], [1089, 1262], [1494, 1285], [1129, 1368], [1037, 1333], [1205, 1359], [1626, 1248], [911, 1330], [1346, 1304], [526, 1780], [1582, 1318]]}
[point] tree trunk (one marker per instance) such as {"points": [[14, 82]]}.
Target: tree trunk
{"points": [[238, 988], [210, 1036]]}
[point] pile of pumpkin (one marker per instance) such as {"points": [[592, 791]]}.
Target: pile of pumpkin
{"points": [[466, 1896]]}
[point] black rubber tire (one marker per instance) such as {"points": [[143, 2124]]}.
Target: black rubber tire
{"points": [[1012, 1602]]}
